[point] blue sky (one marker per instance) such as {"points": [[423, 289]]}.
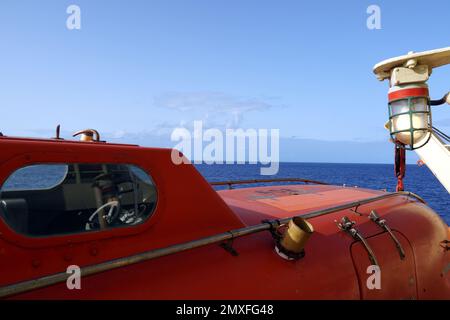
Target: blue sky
{"points": [[137, 69]]}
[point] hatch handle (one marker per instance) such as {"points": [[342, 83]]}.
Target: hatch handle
{"points": [[382, 223], [88, 135], [346, 225]]}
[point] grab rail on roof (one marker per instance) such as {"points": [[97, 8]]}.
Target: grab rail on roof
{"points": [[230, 183]]}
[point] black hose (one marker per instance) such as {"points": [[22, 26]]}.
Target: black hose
{"points": [[440, 101]]}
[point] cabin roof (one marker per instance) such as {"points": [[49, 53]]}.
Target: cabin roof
{"points": [[54, 140], [275, 202]]}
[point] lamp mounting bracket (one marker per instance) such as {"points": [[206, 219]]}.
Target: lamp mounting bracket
{"points": [[412, 66]]}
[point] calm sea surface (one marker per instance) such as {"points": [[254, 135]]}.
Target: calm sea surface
{"points": [[373, 176], [419, 180]]}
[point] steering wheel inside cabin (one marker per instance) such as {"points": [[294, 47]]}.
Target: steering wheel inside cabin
{"points": [[110, 216]]}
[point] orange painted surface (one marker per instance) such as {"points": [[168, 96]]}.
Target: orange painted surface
{"points": [[189, 208], [309, 201]]}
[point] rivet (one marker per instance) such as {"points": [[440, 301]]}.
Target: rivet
{"points": [[94, 251], [36, 263]]}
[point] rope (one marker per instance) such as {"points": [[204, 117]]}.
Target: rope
{"points": [[400, 165]]}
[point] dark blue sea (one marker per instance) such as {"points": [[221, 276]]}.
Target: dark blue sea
{"points": [[373, 176], [419, 180]]}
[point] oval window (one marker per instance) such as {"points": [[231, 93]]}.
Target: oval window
{"points": [[51, 199]]}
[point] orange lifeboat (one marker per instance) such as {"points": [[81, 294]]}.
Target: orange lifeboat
{"points": [[136, 226]]}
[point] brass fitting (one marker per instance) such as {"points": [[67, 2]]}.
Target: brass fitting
{"points": [[293, 241]]}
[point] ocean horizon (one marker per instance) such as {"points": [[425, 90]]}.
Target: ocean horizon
{"points": [[419, 180]]}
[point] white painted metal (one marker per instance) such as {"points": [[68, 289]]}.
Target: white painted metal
{"points": [[436, 156], [432, 59]]}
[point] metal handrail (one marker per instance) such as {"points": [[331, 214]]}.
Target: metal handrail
{"points": [[156, 253], [230, 183]]}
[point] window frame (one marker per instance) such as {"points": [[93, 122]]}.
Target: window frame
{"points": [[9, 167]]}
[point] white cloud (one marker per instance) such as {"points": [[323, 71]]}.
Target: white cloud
{"points": [[216, 109]]}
